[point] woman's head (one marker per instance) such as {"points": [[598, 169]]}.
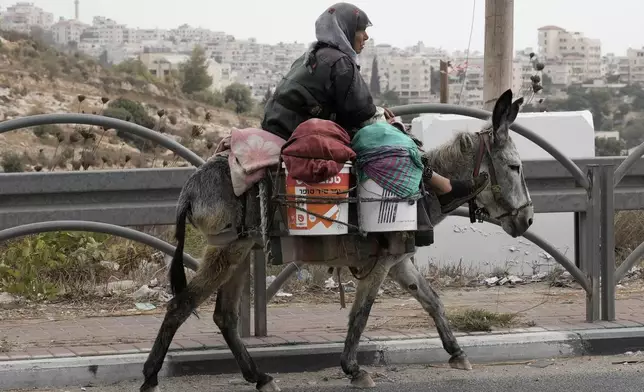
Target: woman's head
{"points": [[345, 26]]}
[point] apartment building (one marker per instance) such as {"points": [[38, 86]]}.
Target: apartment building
{"points": [[104, 32], [65, 31], [188, 33], [580, 53], [617, 66], [410, 78], [22, 16], [635, 65]]}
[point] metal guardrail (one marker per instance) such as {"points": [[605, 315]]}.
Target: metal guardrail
{"points": [[142, 197]]}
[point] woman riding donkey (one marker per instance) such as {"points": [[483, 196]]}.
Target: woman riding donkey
{"points": [[326, 83]]}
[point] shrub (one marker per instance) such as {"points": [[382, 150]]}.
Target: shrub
{"points": [[125, 109], [12, 162], [43, 131], [213, 98], [46, 264], [136, 110]]}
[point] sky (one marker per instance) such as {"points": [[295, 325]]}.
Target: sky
{"points": [[445, 24]]}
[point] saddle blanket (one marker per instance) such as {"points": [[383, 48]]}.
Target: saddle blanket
{"points": [[250, 151]]}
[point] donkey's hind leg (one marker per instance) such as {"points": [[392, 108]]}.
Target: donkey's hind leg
{"points": [[366, 294], [410, 279], [216, 268], [226, 317]]}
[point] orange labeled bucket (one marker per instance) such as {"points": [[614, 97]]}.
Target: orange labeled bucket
{"points": [[301, 221]]}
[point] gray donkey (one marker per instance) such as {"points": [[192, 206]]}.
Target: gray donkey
{"points": [[208, 202]]}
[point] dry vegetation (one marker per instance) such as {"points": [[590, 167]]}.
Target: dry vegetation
{"points": [[36, 79]]}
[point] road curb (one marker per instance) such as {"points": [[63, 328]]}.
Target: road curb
{"points": [[485, 348]]}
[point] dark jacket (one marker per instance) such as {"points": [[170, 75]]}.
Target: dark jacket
{"points": [[331, 89]]}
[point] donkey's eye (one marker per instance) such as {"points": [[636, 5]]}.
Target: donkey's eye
{"points": [[516, 168]]}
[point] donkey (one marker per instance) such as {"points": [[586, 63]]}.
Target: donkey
{"points": [[208, 202]]}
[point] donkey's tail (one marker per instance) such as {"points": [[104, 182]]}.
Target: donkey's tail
{"points": [[178, 280]]}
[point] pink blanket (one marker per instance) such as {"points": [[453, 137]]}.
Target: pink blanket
{"points": [[250, 152]]}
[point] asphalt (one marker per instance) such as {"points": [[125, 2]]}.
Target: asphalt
{"points": [[305, 359], [624, 373]]}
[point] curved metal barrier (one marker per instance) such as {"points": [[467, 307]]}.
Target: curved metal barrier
{"points": [[96, 227], [102, 121], [638, 252]]}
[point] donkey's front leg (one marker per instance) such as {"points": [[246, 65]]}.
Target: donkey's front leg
{"points": [[410, 279], [366, 293]]}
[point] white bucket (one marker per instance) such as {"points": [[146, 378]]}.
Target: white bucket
{"points": [[300, 222], [379, 216]]}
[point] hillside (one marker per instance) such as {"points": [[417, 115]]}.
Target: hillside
{"points": [[36, 78]]}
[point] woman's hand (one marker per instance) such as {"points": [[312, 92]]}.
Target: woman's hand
{"points": [[388, 114]]}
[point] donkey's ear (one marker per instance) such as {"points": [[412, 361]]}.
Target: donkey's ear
{"points": [[501, 109], [514, 110]]}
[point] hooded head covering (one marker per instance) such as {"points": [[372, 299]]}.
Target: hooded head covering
{"points": [[337, 27]]}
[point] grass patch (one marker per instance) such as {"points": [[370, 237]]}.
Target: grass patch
{"points": [[479, 320]]}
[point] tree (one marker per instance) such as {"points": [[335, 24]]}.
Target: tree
{"points": [[597, 101], [195, 72], [240, 95], [609, 147], [103, 59], [633, 133], [390, 98], [374, 84]]}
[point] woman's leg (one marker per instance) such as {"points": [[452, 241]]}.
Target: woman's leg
{"points": [[453, 193]]}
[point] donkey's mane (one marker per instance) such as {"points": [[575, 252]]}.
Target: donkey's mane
{"points": [[452, 153]]}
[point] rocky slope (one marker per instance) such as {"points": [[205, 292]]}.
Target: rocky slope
{"points": [[35, 78]]}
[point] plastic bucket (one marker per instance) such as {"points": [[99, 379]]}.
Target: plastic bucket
{"points": [[381, 216], [301, 222]]}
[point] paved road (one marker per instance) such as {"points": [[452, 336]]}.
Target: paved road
{"points": [[592, 374]]}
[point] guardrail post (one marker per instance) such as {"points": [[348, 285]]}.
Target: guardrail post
{"points": [[607, 244], [577, 219], [591, 252], [244, 309], [259, 300]]}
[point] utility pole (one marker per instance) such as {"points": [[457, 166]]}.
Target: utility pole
{"points": [[444, 82], [499, 51]]}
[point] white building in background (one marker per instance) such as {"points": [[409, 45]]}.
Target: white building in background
{"points": [[195, 34], [635, 65], [580, 53], [141, 35], [104, 32], [22, 16], [66, 31], [619, 66], [410, 78]]}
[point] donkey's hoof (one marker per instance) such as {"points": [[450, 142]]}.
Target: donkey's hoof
{"points": [[460, 362], [151, 389], [362, 380], [270, 386]]}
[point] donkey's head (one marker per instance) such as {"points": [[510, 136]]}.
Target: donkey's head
{"points": [[506, 199]]}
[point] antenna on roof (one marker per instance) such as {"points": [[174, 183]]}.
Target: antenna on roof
{"points": [[77, 9]]}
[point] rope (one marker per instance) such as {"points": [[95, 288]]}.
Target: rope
{"points": [[264, 207]]}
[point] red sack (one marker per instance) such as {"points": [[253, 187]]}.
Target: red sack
{"points": [[317, 149]]}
